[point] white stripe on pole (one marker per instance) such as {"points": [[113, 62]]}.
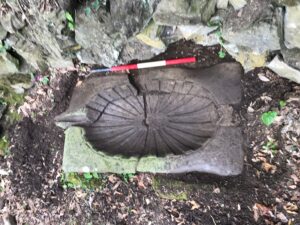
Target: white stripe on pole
{"points": [[151, 64]]}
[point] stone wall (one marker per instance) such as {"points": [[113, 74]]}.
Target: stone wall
{"points": [[112, 32]]}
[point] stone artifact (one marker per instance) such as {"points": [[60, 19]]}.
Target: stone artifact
{"points": [[168, 120]]}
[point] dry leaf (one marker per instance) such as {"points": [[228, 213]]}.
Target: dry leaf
{"points": [[261, 210], [116, 185], [263, 78], [112, 179], [293, 187], [250, 109], [194, 204], [269, 167], [282, 217], [147, 201], [291, 208], [295, 178], [140, 180], [217, 190], [78, 83]]}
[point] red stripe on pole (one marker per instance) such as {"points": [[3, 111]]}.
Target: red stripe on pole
{"points": [[181, 61], [124, 67]]}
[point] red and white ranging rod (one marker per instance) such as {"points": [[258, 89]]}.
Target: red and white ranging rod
{"points": [[146, 65]]}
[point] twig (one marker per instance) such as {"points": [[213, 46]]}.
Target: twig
{"points": [[213, 220]]}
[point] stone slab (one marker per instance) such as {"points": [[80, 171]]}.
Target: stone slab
{"points": [[164, 121], [284, 70], [79, 156]]}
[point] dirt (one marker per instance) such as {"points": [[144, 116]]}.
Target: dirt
{"points": [[34, 192]]}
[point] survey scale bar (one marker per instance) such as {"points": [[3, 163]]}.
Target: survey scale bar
{"points": [[146, 65]]}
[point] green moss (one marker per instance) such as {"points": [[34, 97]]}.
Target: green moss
{"points": [[171, 189], [4, 144], [10, 100], [89, 181]]}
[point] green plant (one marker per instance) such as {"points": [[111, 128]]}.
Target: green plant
{"points": [[270, 146], [45, 80], [218, 31], [282, 103], [4, 144], [3, 47], [268, 118], [127, 176], [70, 21], [83, 181], [93, 6]]}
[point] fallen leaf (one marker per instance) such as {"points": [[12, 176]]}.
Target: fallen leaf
{"points": [[269, 167], [116, 185], [295, 178], [147, 201], [250, 109], [134, 211], [112, 179], [282, 217], [78, 83], [217, 190], [261, 210], [291, 208], [263, 78], [194, 204], [293, 187]]}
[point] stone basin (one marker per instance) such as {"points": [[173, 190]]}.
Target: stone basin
{"points": [[169, 120]]}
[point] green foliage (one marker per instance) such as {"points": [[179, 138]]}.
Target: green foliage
{"points": [[127, 176], [268, 118], [221, 54], [88, 11], [83, 181], [93, 6], [45, 80], [96, 5], [4, 144], [270, 146], [218, 32], [70, 21], [282, 103], [13, 100], [3, 47], [69, 17]]}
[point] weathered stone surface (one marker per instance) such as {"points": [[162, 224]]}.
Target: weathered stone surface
{"points": [[12, 21], [246, 56], [3, 33], [200, 34], [287, 2], [253, 11], [284, 70], [108, 31], [181, 12], [41, 43], [238, 4], [222, 4], [260, 38], [8, 64], [292, 27], [150, 36], [128, 132], [135, 49], [291, 57]]}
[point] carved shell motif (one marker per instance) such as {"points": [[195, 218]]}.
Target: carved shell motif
{"points": [[171, 117]]}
